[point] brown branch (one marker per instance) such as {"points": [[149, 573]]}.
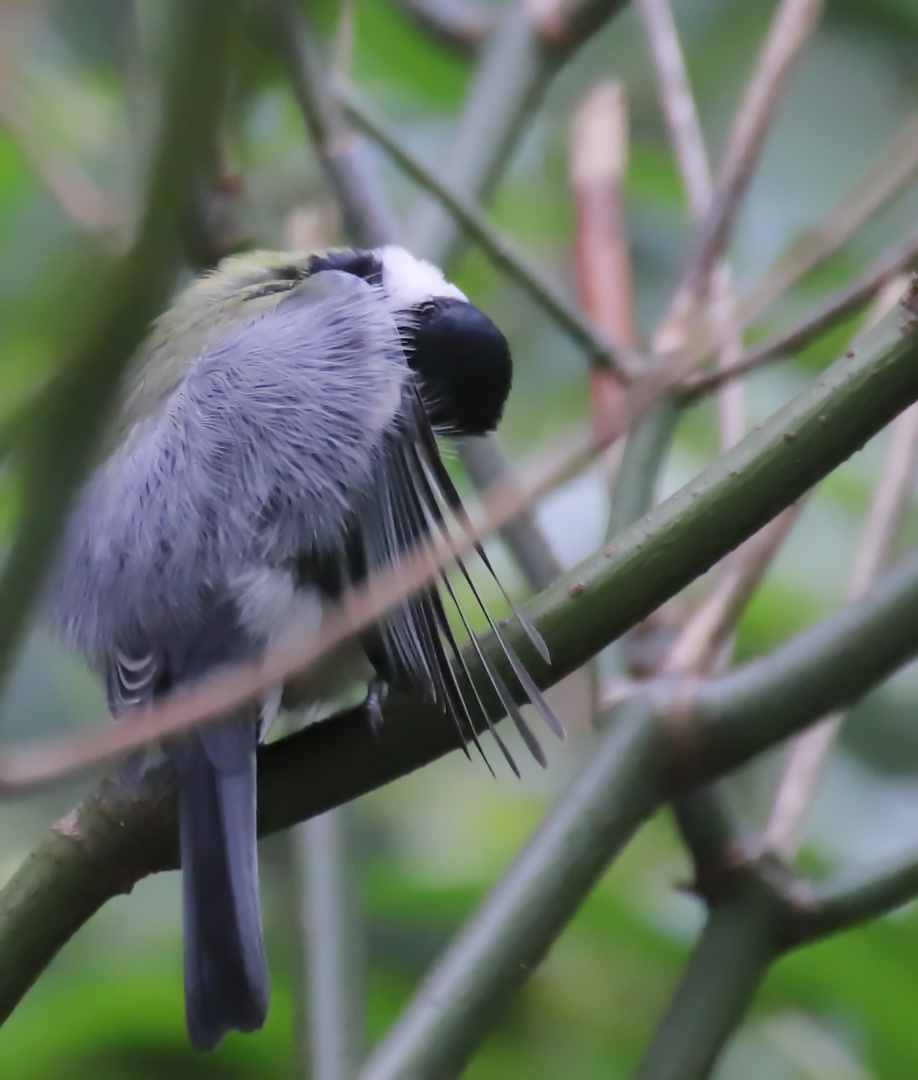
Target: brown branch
{"points": [[599, 156], [707, 630], [883, 180], [688, 143], [791, 26]]}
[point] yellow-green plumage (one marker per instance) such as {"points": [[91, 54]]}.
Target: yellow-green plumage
{"points": [[242, 289]]}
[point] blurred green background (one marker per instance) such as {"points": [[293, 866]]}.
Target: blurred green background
{"points": [[78, 95]]}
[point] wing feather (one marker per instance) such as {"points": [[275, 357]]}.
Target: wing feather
{"points": [[411, 502]]}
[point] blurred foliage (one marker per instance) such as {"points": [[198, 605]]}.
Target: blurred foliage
{"points": [[78, 86]]}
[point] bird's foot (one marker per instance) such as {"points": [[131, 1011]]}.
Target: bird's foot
{"points": [[377, 691]]}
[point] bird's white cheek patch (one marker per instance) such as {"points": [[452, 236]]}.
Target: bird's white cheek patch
{"points": [[409, 282]]}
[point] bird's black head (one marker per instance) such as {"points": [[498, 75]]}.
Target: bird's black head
{"points": [[464, 365], [461, 358]]}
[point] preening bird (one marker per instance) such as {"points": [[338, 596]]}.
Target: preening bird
{"points": [[276, 443]]}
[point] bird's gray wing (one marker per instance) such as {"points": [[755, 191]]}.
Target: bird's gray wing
{"points": [[411, 502], [254, 460]]}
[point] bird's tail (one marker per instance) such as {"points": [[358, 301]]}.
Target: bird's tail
{"points": [[226, 973]]}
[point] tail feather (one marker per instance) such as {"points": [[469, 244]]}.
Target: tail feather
{"points": [[226, 975]]}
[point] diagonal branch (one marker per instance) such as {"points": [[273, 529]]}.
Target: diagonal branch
{"points": [[368, 219], [502, 253], [793, 23], [515, 68]]}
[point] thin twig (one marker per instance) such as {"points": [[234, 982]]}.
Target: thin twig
{"points": [[711, 624], [367, 217], [678, 103], [882, 181], [688, 143], [839, 306], [599, 155], [791, 26], [851, 899], [473, 220]]}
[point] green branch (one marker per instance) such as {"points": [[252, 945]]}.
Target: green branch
{"points": [[853, 898], [726, 968]]}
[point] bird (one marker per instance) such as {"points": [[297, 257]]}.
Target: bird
{"points": [[276, 442]]}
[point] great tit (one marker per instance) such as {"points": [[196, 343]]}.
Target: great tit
{"points": [[276, 442]]}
